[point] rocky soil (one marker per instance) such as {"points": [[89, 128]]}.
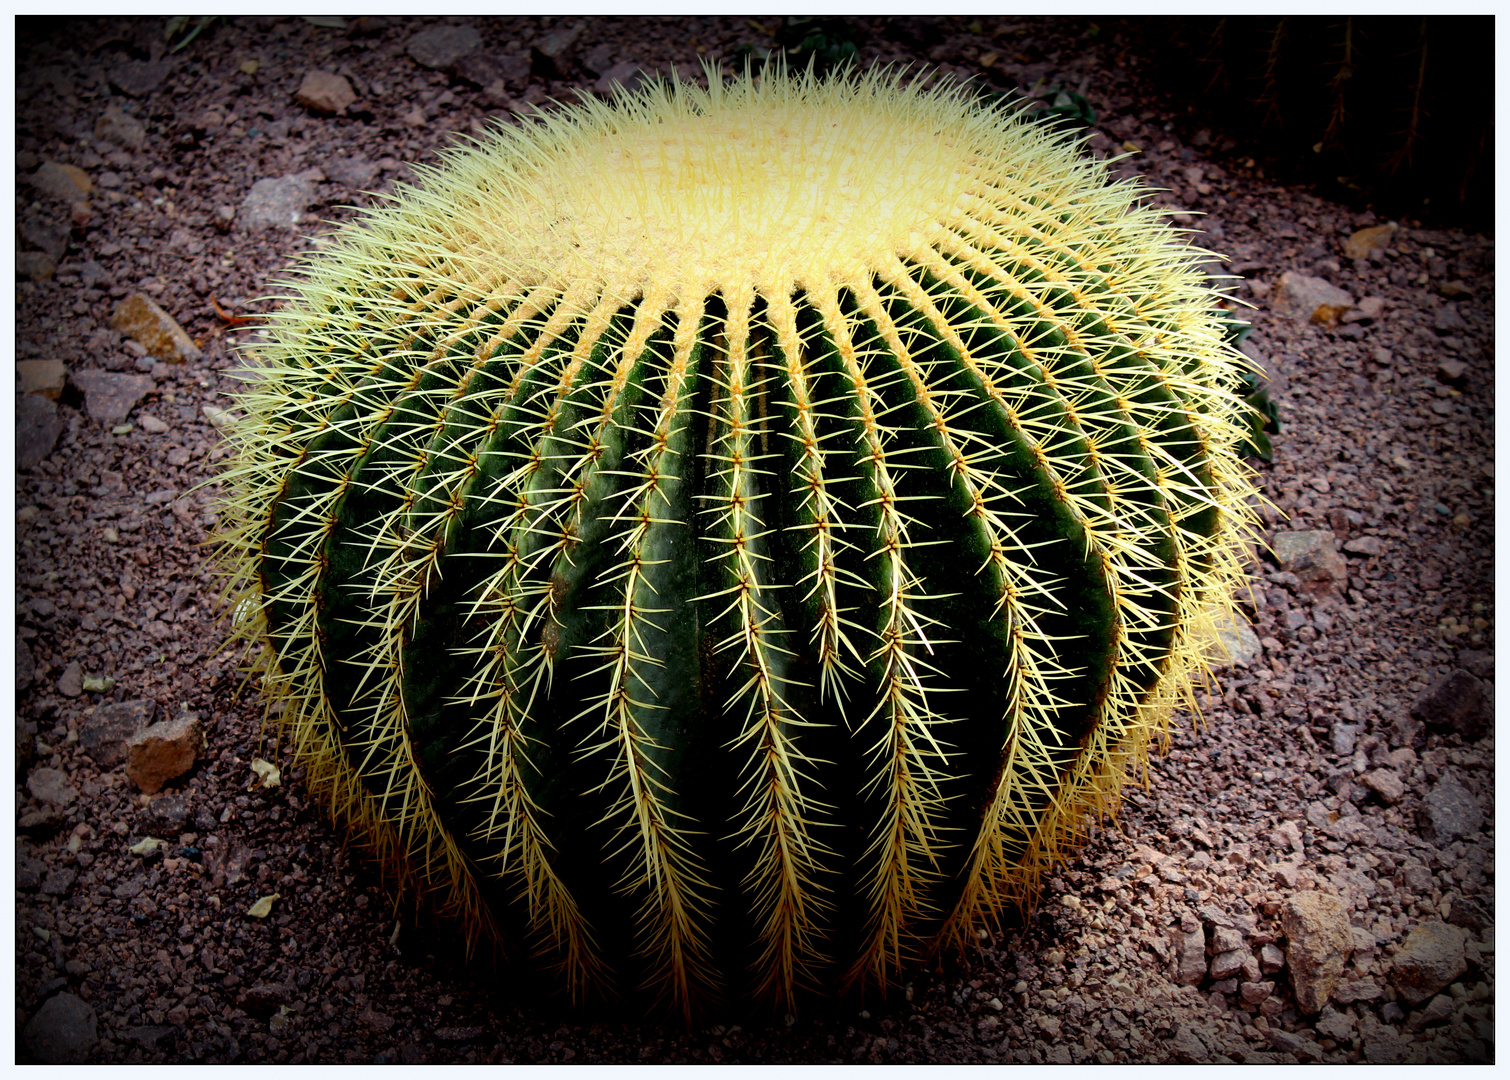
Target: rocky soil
{"points": [[1307, 876]]}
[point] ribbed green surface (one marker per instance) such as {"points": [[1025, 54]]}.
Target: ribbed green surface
{"points": [[737, 642]]}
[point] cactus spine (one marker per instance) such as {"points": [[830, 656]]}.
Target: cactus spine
{"points": [[730, 541]]}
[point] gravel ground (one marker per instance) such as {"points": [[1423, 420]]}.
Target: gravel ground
{"points": [[1308, 874]]}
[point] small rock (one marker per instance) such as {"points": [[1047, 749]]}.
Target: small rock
{"points": [[51, 786], [1320, 941], [1449, 320], [1450, 811], [48, 234], [511, 69], [63, 1032], [1371, 546], [324, 92], [355, 172], [1224, 965], [1344, 738], [138, 78], [1382, 1044], [103, 734], [441, 46], [109, 396], [1457, 703], [378, 1022], [1454, 290], [1368, 309], [44, 377], [1450, 369], [1438, 1010], [1225, 939], [278, 203], [1357, 990], [140, 319], [467, 1034], [1385, 783], [1254, 992], [67, 183], [151, 424], [71, 682], [265, 997], [37, 265], [1312, 298], [599, 58], [39, 822], [26, 667], [172, 811], [1430, 958], [1335, 1025], [59, 880], [1236, 644], [220, 419], [1364, 241], [1312, 556], [1271, 958], [120, 127], [626, 74], [554, 49], [29, 872], [1190, 957], [164, 751], [37, 429]]}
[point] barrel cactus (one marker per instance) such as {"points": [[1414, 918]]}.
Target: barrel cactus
{"points": [[733, 541]]}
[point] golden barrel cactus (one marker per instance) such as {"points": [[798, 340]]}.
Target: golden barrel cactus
{"points": [[730, 541]]}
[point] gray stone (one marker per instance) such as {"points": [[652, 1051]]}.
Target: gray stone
{"points": [[51, 786], [1335, 1025], [1311, 298], [1382, 1044], [50, 236], [67, 183], [138, 78], [626, 73], [599, 58], [555, 48], [1430, 958], [109, 396], [1344, 738], [120, 127], [63, 1031], [26, 667], [355, 172], [59, 880], [163, 752], [511, 70], [1236, 644], [1224, 965], [278, 203], [37, 429], [171, 811], [71, 682], [1320, 941], [1385, 783], [37, 265], [1311, 555], [1450, 811], [441, 46], [45, 377], [1190, 957], [1357, 990], [104, 733], [1457, 702], [324, 91], [1371, 546]]}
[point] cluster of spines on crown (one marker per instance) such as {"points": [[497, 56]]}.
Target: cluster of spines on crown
{"points": [[741, 643]]}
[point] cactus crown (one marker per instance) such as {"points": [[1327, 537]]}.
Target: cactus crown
{"points": [[793, 506]]}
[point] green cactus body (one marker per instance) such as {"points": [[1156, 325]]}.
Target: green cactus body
{"points": [[733, 541]]}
